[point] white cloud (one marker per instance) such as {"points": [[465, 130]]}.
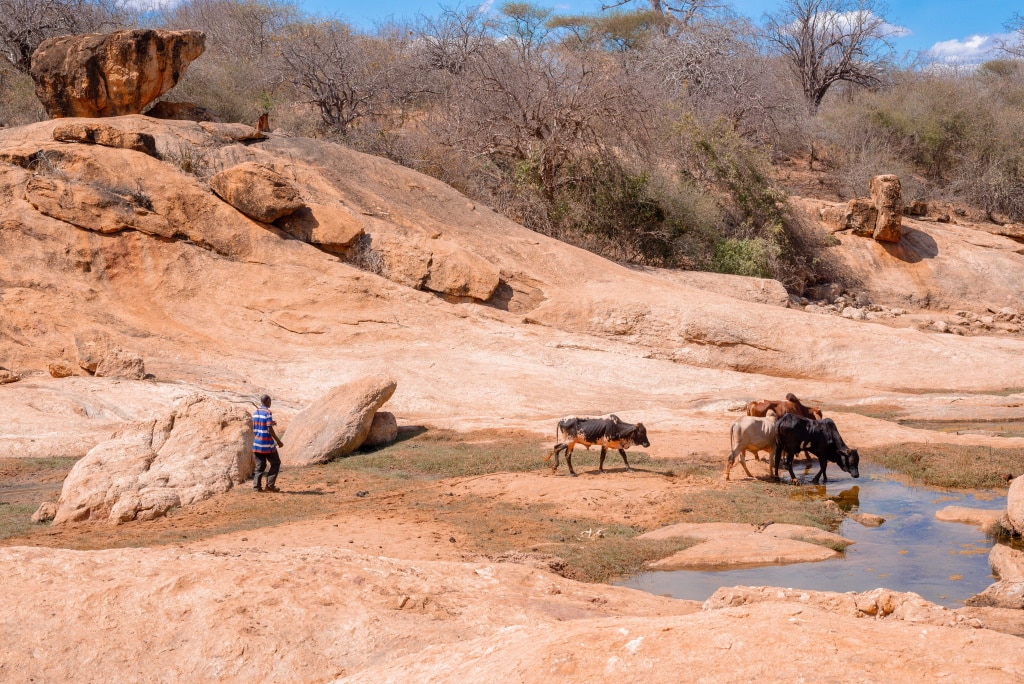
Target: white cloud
{"points": [[970, 50]]}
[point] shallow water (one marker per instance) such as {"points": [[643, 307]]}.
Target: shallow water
{"points": [[943, 562], [997, 428]]}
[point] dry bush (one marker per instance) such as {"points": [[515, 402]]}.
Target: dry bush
{"points": [[19, 104]]}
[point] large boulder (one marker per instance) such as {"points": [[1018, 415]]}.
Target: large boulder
{"points": [[331, 228], [96, 75], [861, 217], [202, 448], [256, 191], [435, 265], [887, 195], [105, 135], [1015, 506], [336, 424], [1007, 563], [118, 363]]}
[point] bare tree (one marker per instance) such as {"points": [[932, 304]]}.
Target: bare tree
{"points": [[24, 24], [829, 41], [451, 39], [1014, 46], [683, 11]]}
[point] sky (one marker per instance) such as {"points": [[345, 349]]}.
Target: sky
{"points": [[950, 30]]}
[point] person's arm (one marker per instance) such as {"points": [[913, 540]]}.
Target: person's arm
{"points": [[273, 434]]}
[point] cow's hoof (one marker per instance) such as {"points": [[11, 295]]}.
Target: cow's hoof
{"points": [[572, 474]]}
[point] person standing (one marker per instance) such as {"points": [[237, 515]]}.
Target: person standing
{"points": [[264, 447]]}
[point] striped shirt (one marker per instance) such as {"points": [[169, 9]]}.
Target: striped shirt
{"points": [[262, 442]]}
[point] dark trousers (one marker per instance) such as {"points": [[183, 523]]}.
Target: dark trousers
{"points": [[261, 466]]}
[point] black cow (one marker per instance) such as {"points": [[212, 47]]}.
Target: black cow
{"points": [[607, 433], [821, 437]]}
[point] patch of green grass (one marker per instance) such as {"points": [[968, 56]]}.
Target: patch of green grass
{"points": [[950, 465], [613, 556], [15, 471], [15, 519], [759, 503], [834, 544]]}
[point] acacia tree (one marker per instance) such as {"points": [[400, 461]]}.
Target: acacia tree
{"points": [[831, 41], [24, 24], [1015, 45]]}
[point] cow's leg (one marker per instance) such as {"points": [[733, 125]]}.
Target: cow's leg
{"points": [[600, 466], [822, 465], [743, 462], [560, 447], [568, 460], [732, 459], [789, 466], [624, 459], [776, 461]]}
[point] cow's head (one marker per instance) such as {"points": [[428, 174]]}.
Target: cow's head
{"points": [[849, 461], [640, 436]]}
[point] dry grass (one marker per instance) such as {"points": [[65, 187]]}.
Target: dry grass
{"points": [[950, 465]]}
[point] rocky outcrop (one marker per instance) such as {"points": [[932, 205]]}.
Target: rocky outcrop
{"points": [[887, 195], [332, 229], [91, 207], [383, 430], [118, 363], [877, 603], [1008, 592], [435, 265], [1015, 506], [106, 135], [336, 424], [180, 111], [257, 191], [92, 346], [97, 75], [861, 217], [200, 449]]}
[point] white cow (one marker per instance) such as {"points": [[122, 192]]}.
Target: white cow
{"points": [[753, 435]]}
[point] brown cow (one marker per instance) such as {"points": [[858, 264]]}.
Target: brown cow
{"points": [[781, 407]]}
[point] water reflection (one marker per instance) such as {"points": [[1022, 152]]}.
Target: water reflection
{"points": [[944, 562]]}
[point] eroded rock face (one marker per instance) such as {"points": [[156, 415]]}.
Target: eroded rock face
{"points": [[1015, 506], [861, 217], [383, 430], [436, 265], [336, 424], [92, 346], [94, 208], [332, 229], [887, 194], [97, 75], [257, 191], [108, 136], [202, 448]]}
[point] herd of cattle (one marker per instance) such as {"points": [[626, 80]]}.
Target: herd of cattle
{"points": [[783, 428]]}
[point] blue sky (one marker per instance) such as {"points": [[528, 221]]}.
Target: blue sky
{"points": [[952, 29]]}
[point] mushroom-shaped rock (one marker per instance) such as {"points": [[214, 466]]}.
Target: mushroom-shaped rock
{"points": [[256, 191], [336, 424], [96, 75], [201, 449], [105, 135], [887, 195], [383, 430]]}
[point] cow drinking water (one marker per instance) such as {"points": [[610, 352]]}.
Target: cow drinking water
{"points": [[608, 433], [821, 437]]}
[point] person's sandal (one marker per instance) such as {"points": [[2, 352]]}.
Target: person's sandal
{"points": [[272, 489]]}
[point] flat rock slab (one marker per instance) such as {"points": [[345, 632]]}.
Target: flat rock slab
{"points": [[979, 517], [739, 544]]}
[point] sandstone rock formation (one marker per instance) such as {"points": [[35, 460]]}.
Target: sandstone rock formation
{"points": [[99, 75], [45, 513], [383, 430], [93, 207], [979, 517], [435, 265], [7, 376], [106, 135], [736, 544], [179, 111], [257, 191], [331, 228], [92, 346], [861, 217], [1008, 591], [887, 195], [1015, 506], [336, 424], [202, 448], [59, 370], [118, 363]]}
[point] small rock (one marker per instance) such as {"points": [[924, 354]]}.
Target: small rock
{"points": [[45, 513], [60, 370], [7, 376], [941, 326], [853, 313], [988, 320], [868, 519], [383, 430], [362, 494]]}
